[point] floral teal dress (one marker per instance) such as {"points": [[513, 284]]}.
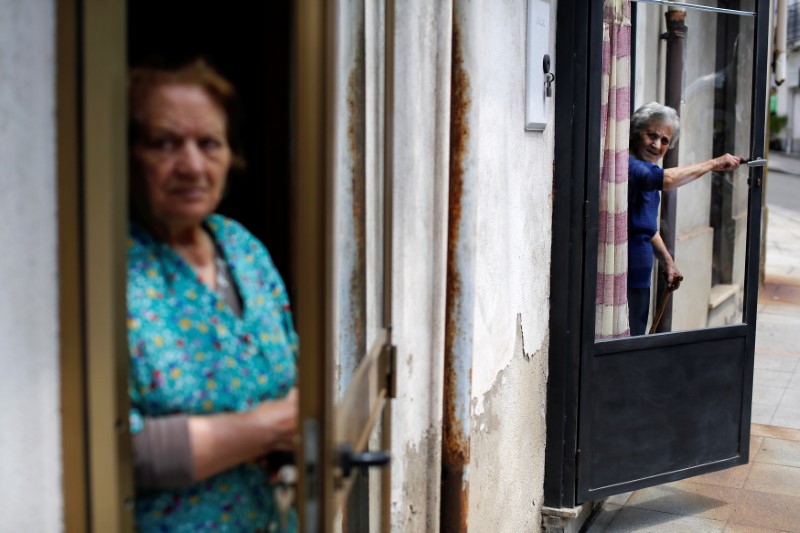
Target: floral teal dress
{"points": [[191, 354]]}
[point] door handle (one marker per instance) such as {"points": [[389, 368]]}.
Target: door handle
{"points": [[348, 459]]}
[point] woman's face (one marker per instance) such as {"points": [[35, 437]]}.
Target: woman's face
{"points": [[181, 158], [653, 142]]}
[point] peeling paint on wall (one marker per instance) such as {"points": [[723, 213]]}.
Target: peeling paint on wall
{"points": [[521, 338], [506, 484]]}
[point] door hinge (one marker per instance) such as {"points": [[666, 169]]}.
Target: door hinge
{"points": [[578, 463], [586, 209]]}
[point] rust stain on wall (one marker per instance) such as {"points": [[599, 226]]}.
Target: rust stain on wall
{"points": [[455, 445], [356, 145], [354, 513]]}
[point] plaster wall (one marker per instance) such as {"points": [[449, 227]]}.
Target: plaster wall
{"points": [[697, 120], [509, 172], [423, 35], [693, 252], [694, 237], [648, 84], [507, 470], [30, 444], [513, 170]]}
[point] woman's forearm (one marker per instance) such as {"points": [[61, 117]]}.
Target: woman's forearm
{"points": [[678, 176], [667, 262], [222, 441], [660, 250]]}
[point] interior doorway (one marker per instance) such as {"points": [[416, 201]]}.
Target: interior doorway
{"points": [[249, 44]]}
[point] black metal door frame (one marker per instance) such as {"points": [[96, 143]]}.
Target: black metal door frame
{"points": [[567, 256], [575, 220]]}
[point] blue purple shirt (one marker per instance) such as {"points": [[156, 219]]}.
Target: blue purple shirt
{"points": [[190, 353], [645, 181]]}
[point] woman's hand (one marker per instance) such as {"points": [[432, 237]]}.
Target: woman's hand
{"points": [[278, 420], [727, 162], [223, 441], [673, 275]]}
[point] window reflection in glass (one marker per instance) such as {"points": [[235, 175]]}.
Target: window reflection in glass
{"points": [[698, 244]]}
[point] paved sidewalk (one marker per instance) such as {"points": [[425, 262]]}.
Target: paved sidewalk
{"points": [[764, 495]]}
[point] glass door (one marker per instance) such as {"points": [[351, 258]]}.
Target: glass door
{"points": [[667, 394]]}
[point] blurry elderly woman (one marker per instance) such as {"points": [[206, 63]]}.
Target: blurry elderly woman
{"points": [[210, 333], [654, 129]]}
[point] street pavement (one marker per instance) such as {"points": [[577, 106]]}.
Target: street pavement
{"points": [[763, 495]]}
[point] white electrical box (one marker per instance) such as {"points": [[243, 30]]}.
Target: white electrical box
{"points": [[539, 75]]}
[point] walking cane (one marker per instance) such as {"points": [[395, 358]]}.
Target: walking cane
{"points": [[662, 305]]}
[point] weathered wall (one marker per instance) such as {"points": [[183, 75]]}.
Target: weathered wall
{"points": [[503, 257], [349, 174], [648, 77], [694, 237], [30, 451], [697, 118], [507, 446], [421, 130]]}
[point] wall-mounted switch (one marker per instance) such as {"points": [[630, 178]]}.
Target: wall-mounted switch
{"points": [[539, 77]]}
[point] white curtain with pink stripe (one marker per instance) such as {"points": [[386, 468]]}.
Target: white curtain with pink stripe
{"points": [[611, 302]]}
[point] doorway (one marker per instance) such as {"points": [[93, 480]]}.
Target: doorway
{"points": [[248, 43], [626, 413]]}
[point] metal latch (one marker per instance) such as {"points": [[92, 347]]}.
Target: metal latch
{"points": [[754, 163], [348, 459]]}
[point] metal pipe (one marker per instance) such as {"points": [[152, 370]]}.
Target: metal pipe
{"points": [[676, 37], [460, 297], [780, 43]]}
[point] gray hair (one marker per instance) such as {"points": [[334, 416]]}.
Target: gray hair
{"points": [[655, 113]]}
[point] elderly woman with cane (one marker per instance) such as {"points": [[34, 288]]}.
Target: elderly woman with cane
{"points": [[654, 129]]}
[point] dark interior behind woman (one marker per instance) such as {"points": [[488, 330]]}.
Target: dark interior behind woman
{"points": [[210, 332], [654, 129]]}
